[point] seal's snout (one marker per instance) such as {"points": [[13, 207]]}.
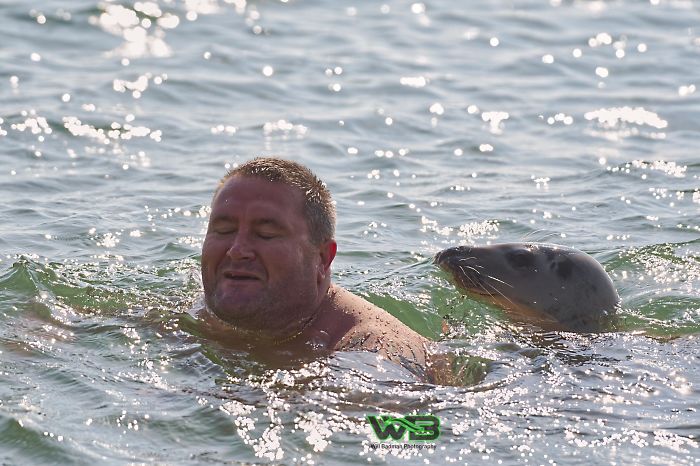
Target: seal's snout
{"points": [[447, 256], [439, 258], [460, 264]]}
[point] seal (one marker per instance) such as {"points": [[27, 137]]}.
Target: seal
{"points": [[558, 287]]}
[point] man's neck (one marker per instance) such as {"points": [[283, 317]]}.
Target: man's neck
{"points": [[301, 330]]}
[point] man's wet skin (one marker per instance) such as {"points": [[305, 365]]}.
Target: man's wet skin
{"points": [[267, 283]]}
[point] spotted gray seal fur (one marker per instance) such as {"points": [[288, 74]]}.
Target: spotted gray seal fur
{"points": [[555, 286]]}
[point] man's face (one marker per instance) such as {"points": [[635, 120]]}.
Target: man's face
{"points": [[259, 268]]}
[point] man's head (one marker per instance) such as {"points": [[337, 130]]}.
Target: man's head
{"points": [[269, 246], [319, 209]]}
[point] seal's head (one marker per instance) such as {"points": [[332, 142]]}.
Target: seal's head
{"points": [[541, 281]]}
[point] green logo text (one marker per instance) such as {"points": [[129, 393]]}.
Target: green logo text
{"points": [[422, 427]]}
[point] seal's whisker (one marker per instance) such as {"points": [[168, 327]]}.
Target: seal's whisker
{"points": [[470, 277], [474, 281], [465, 259], [465, 273], [471, 267], [472, 274], [528, 235], [464, 269], [541, 238], [500, 293], [499, 280]]}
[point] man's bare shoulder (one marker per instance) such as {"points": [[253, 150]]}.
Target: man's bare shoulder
{"points": [[374, 329]]}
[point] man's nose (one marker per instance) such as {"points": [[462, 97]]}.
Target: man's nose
{"points": [[241, 248]]}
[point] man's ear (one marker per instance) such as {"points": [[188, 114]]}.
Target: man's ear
{"points": [[327, 252]]}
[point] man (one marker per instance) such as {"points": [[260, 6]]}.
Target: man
{"points": [[266, 269]]}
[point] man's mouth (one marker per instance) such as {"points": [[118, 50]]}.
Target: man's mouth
{"points": [[240, 276]]}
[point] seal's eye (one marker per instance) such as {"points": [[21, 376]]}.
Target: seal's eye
{"points": [[521, 258]]}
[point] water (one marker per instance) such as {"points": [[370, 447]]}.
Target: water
{"points": [[433, 124]]}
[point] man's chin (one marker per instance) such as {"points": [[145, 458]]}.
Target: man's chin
{"points": [[241, 314]]}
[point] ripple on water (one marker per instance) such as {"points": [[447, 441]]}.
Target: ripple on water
{"points": [[25, 441]]}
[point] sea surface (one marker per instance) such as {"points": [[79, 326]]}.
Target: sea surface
{"points": [[434, 124]]}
